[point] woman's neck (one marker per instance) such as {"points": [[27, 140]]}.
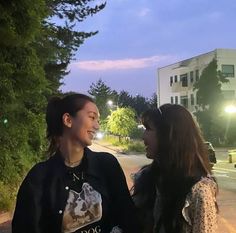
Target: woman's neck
{"points": [[73, 154]]}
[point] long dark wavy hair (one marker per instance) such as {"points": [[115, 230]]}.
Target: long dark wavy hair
{"points": [[56, 107], [181, 161]]}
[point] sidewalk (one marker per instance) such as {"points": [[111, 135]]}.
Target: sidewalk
{"points": [[115, 149], [226, 201], [5, 217]]}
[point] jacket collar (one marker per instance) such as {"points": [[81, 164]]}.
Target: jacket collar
{"points": [[92, 163], [94, 171]]}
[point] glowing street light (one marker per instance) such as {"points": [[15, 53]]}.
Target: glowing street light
{"points": [[110, 103], [99, 135], [230, 109]]}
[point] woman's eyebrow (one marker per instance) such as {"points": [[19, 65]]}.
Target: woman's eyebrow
{"points": [[93, 113]]}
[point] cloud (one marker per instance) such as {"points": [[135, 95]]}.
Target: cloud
{"points": [[123, 64]]}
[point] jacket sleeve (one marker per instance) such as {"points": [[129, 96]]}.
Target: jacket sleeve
{"points": [[27, 212], [204, 211], [123, 207]]}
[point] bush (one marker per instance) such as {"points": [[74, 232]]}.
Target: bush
{"points": [[135, 146], [126, 146], [7, 197], [137, 133]]}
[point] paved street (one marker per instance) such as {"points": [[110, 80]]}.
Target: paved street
{"points": [[226, 177], [224, 172]]}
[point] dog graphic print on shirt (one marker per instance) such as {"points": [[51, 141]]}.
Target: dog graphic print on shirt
{"points": [[82, 209]]}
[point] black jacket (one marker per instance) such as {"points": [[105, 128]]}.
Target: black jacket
{"points": [[43, 194]]}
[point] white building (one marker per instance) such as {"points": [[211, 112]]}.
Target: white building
{"points": [[175, 82]]}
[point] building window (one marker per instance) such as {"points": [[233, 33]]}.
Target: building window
{"points": [[171, 99], [184, 80], [228, 70], [184, 101], [176, 78], [229, 94], [191, 76], [197, 75], [192, 99], [171, 80], [176, 99]]}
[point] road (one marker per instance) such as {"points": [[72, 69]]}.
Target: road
{"points": [[223, 171], [225, 174]]}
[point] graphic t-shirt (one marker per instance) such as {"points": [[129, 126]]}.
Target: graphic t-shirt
{"points": [[83, 211]]}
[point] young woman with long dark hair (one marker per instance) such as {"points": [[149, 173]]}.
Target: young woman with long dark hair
{"points": [[76, 189], [176, 193]]}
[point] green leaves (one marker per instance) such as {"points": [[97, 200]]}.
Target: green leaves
{"points": [[210, 99], [34, 55], [101, 93], [209, 86], [122, 122], [20, 20]]}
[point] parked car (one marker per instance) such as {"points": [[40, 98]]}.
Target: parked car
{"points": [[211, 153]]}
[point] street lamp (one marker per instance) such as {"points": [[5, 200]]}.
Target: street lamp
{"points": [[230, 109], [110, 103]]}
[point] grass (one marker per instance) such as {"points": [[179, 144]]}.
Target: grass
{"points": [[7, 197], [126, 146]]}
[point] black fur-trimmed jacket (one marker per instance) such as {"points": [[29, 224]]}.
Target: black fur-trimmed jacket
{"points": [[43, 194]]}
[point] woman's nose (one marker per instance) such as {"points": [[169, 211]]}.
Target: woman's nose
{"points": [[96, 125]]}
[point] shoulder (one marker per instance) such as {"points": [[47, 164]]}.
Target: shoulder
{"points": [[203, 192], [204, 188], [143, 172], [201, 201], [38, 171], [102, 157]]}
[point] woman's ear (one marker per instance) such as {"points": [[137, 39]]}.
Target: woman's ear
{"points": [[67, 120]]}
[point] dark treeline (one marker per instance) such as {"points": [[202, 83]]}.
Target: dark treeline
{"points": [[34, 55], [103, 93]]}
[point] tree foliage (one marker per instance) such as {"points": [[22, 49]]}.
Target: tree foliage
{"points": [[209, 86], [60, 38], [140, 104], [122, 122], [125, 99], [101, 94], [210, 100], [35, 50], [153, 101]]}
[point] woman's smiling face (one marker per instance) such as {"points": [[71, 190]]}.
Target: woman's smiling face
{"points": [[85, 124]]}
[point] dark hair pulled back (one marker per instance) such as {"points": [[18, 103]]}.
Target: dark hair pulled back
{"points": [[56, 107]]}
